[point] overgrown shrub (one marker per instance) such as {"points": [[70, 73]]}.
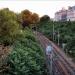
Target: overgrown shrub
{"points": [[26, 57]]}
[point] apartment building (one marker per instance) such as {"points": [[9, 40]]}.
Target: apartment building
{"points": [[65, 15], [61, 15], [71, 14]]}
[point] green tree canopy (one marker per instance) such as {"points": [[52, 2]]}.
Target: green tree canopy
{"points": [[45, 18], [9, 26]]}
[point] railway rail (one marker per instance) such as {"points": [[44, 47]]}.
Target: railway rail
{"points": [[61, 65]]}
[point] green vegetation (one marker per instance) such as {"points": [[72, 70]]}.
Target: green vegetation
{"points": [[9, 27], [66, 30], [45, 26], [26, 56]]}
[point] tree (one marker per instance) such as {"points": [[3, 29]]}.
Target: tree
{"points": [[27, 18], [35, 18], [9, 26], [45, 18]]}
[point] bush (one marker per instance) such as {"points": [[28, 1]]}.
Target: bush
{"points": [[26, 57]]}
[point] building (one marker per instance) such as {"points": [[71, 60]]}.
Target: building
{"points": [[71, 14], [57, 16], [61, 15], [65, 15]]}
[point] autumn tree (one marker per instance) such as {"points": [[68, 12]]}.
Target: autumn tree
{"points": [[35, 18], [27, 18]]}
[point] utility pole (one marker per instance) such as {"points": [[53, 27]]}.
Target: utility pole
{"points": [[58, 37], [58, 34], [53, 31]]}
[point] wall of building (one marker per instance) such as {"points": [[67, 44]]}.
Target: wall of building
{"points": [[65, 15], [57, 16], [71, 15]]}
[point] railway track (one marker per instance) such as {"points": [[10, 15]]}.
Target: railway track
{"points": [[67, 66], [62, 65]]}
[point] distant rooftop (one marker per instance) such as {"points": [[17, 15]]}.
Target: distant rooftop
{"points": [[71, 8], [65, 10]]}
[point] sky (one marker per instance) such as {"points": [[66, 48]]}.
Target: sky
{"points": [[41, 7]]}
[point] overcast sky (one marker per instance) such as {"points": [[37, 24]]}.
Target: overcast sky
{"points": [[42, 7]]}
